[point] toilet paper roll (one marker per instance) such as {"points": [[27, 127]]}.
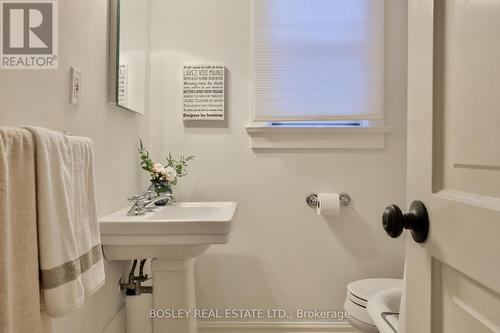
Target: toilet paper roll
{"points": [[328, 204]]}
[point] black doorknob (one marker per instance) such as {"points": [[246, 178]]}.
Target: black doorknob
{"points": [[416, 220]]}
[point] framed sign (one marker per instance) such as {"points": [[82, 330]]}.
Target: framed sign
{"points": [[204, 92]]}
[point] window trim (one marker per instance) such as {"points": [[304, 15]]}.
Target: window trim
{"points": [[263, 135]]}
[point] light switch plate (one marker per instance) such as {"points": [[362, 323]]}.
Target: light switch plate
{"points": [[75, 85]]}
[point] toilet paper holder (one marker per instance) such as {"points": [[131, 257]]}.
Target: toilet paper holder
{"points": [[312, 199]]}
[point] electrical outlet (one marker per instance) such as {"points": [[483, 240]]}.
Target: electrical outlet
{"points": [[76, 86]]}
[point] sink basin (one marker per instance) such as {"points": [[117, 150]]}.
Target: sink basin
{"points": [[383, 308], [179, 230], [173, 236]]}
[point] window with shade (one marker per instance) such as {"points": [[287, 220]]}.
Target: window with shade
{"points": [[319, 61]]}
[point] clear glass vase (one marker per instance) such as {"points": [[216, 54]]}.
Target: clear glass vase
{"points": [[160, 188]]}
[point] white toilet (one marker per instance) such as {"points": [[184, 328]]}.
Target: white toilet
{"points": [[358, 294]]}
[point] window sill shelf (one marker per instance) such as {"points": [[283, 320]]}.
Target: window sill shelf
{"points": [[265, 136]]}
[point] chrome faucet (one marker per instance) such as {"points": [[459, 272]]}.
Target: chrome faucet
{"points": [[149, 202], [143, 203]]}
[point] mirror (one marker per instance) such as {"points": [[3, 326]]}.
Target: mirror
{"points": [[129, 53]]}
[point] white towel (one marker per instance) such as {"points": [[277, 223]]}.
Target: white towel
{"points": [[20, 296], [69, 246]]}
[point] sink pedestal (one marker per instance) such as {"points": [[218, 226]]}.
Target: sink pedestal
{"points": [[173, 290]]}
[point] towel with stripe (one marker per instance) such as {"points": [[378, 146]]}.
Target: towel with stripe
{"points": [[69, 243]]}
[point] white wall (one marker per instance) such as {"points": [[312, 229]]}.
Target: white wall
{"points": [[41, 98], [281, 255]]}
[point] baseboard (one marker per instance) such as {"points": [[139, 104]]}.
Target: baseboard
{"points": [[274, 327], [117, 323]]}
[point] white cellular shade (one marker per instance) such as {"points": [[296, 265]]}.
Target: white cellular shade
{"points": [[318, 59]]}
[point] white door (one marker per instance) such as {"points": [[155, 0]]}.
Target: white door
{"points": [[453, 279]]}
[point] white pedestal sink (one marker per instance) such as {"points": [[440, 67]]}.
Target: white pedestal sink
{"points": [[174, 236]]}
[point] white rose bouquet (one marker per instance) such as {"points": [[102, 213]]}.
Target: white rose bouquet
{"points": [[163, 175]]}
